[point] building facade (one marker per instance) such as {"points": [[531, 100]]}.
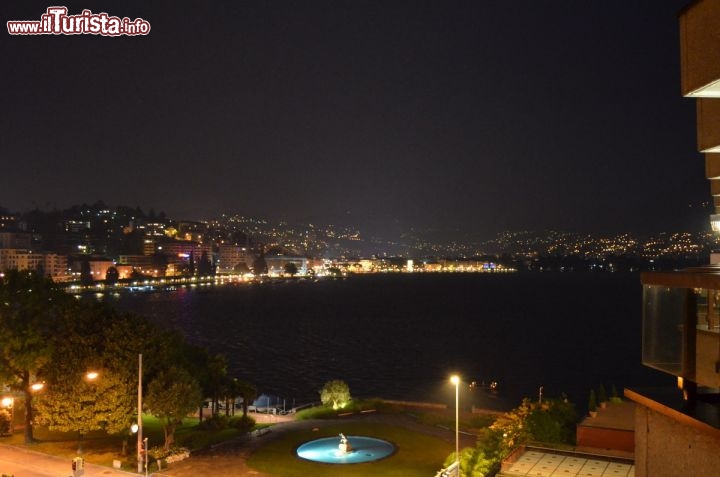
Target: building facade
{"points": [[51, 264], [677, 430], [15, 240], [232, 259]]}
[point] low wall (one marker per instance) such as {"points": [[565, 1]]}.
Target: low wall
{"points": [[606, 438], [428, 405]]}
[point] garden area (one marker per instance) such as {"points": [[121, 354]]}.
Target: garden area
{"points": [[416, 454]]}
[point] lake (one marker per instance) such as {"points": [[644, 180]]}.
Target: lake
{"points": [[401, 336]]}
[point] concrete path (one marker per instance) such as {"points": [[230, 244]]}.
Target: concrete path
{"points": [[20, 462]]}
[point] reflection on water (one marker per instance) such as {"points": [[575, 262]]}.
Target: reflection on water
{"points": [[401, 336]]}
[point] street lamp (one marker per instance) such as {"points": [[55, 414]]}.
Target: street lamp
{"points": [[455, 379], [140, 460], [145, 442], [8, 403]]}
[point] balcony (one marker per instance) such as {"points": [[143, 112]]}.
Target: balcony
{"points": [[700, 49], [681, 324], [708, 131]]}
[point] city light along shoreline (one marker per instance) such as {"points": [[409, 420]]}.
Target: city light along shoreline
{"points": [[341, 271]]}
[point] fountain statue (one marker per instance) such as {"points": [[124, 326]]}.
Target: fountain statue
{"points": [[344, 446]]}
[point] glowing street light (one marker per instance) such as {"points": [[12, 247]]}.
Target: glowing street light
{"points": [[91, 375], [8, 403], [455, 379]]}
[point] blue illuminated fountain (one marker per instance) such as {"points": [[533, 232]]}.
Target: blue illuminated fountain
{"points": [[350, 450]]}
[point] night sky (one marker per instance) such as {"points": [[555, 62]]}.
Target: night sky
{"points": [[460, 117]]}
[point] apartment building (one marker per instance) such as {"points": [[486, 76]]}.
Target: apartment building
{"points": [[677, 430]]}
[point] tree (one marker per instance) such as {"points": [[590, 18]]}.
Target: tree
{"points": [[291, 269], [98, 338], [92, 340], [86, 277], [592, 401], [31, 309], [216, 372], [160, 262], [130, 335], [335, 392], [83, 406], [248, 392], [204, 266], [170, 397], [241, 268], [112, 276], [259, 266], [601, 394], [232, 391], [191, 264]]}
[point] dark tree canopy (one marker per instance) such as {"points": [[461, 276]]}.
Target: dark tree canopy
{"points": [[33, 314], [47, 335], [204, 265], [291, 269], [259, 265], [112, 275]]}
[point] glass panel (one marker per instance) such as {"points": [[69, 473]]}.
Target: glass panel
{"points": [[713, 316], [663, 310], [701, 297]]}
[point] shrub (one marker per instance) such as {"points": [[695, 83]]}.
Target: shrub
{"points": [[195, 440], [215, 423], [244, 423], [481, 420], [592, 401], [335, 393], [5, 422], [601, 394], [175, 454], [316, 413]]}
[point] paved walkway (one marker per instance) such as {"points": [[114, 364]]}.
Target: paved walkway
{"points": [[21, 462], [548, 464]]}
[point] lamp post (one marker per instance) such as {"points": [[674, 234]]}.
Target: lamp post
{"points": [[140, 460], [145, 442], [455, 379], [8, 403]]}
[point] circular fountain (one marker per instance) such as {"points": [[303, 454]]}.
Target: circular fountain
{"points": [[349, 450]]}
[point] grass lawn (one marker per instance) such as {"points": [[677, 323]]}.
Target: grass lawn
{"points": [[416, 454]]}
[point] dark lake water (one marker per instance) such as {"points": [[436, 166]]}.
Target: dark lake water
{"points": [[401, 336]]}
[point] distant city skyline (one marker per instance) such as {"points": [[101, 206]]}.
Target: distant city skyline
{"points": [[461, 118], [108, 231]]}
